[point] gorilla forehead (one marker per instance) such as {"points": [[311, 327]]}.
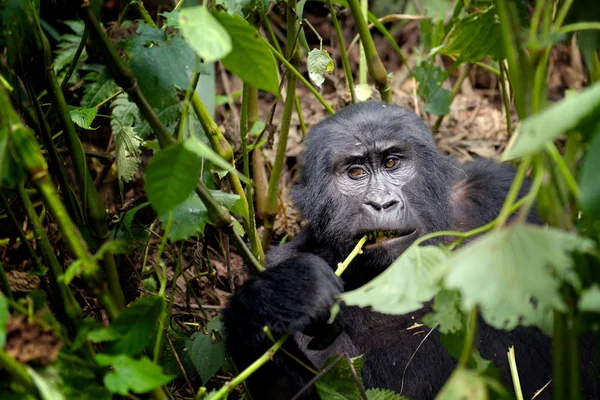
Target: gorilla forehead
{"points": [[366, 124]]}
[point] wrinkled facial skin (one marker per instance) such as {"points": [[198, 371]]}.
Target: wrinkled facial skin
{"points": [[373, 170]]}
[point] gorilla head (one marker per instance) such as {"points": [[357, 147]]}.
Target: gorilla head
{"points": [[373, 169]]}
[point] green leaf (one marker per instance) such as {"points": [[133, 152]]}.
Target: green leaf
{"points": [[464, 384], [503, 270], [137, 376], [112, 247], [209, 39], [171, 18], [127, 152], [405, 286], [78, 381], [589, 180], [167, 115], [250, 59], [475, 37], [4, 314], [536, 131], [98, 86], [160, 63], [590, 299], [207, 352], [430, 77], [338, 383], [83, 116], [446, 312], [319, 62], [204, 151], [124, 113], [47, 382], [383, 394], [136, 326], [67, 47], [171, 176]]}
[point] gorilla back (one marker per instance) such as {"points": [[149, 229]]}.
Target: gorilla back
{"points": [[372, 169]]}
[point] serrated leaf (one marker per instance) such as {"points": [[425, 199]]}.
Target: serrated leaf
{"points": [[167, 116], [83, 116], [464, 384], [209, 39], [338, 383], [383, 394], [536, 131], [137, 376], [127, 153], [503, 270], [405, 286], [171, 18], [475, 37], [171, 176], [589, 301], [319, 62], [446, 312], [4, 314], [589, 181], [124, 112], [136, 326], [98, 86], [207, 352], [430, 77], [250, 58]]}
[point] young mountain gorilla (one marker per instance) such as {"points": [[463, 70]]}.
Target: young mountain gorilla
{"points": [[371, 168]]}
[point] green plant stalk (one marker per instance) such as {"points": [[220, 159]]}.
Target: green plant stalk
{"points": [[464, 73], [144, 13], [68, 304], [75, 60], [125, 78], [18, 373], [376, 68], [300, 115], [564, 171], [386, 34], [362, 57], [518, 65], [513, 193], [505, 98], [579, 26], [162, 319], [514, 372], [535, 20], [356, 251], [344, 53], [262, 360], [56, 161], [245, 126], [6, 290], [186, 102], [293, 70], [465, 356], [562, 14], [38, 267], [94, 208]]}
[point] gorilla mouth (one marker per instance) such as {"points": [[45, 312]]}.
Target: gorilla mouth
{"points": [[379, 237]]}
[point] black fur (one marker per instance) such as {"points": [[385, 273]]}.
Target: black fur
{"points": [[425, 191]]}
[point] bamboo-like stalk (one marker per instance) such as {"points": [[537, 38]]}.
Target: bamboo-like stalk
{"points": [[344, 53], [376, 69], [293, 56]]}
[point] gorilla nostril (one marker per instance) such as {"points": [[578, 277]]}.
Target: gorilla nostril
{"points": [[389, 204]]}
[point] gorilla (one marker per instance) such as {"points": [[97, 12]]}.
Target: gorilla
{"points": [[372, 168]]}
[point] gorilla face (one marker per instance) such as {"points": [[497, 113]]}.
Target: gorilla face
{"points": [[373, 170]]}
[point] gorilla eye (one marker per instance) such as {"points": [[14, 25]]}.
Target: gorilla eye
{"points": [[356, 172], [391, 162]]}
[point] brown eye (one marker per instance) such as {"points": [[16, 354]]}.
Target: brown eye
{"points": [[391, 162], [356, 172]]}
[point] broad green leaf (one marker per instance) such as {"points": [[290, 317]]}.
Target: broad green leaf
{"points": [[476, 37], [134, 328], [171, 176], [319, 62], [590, 179], [4, 314], [464, 384], [209, 39], [538, 130], [83, 116], [172, 362], [160, 62], [589, 300], [204, 151], [338, 383], [98, 86], [250, 59], [207, 352], [405, 286], [446, 312], [430, 77], [383, 394], [79, 382], [503, 270], [124, 112], [137, 376]]}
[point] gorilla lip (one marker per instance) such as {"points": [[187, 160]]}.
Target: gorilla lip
{"points": [[379, 237]]}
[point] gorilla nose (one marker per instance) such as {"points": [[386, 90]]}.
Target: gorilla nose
{"points": [[381, 203]]}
